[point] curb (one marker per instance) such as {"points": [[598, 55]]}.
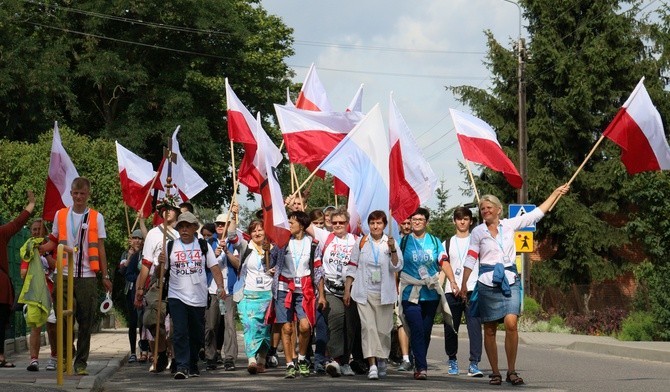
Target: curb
{"points": [[96, 382], [621, 351]]}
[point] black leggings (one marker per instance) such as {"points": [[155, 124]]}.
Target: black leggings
{"points": [[5, 312]]}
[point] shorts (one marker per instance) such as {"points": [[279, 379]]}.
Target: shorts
{"points": [[287, 315]]}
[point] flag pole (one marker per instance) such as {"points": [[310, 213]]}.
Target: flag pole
{"points": [[472, 179], [161, 269], [335, 193], [294, 177], [579, 168], [232, 160], [312, 174], [151, 187], [125, 207]]}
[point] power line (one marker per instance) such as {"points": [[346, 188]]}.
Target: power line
{"points": [[425, 76], [383, 48]]}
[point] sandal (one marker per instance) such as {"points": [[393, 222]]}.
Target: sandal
{"points": [[495, 379], [143, 357], [514, 379], [6, 364]]}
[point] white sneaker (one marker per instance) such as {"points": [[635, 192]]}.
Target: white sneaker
{"points": [[346, 370], [381, 365], [333, 368], [373, 374], [52, 364]]}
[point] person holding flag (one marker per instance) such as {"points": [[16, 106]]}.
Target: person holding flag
{"points": [[497, 296]]}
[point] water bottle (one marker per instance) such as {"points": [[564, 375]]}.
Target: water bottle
{"points": [[222, 306]]}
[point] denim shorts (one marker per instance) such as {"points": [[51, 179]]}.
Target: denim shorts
{"points": [[284, 314]]}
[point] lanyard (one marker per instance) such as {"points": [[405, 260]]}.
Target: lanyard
{"points": [[295, 255], [375, 251], [259, 256], [419, 246], [190, 262], [461, 255], [76, 230]]}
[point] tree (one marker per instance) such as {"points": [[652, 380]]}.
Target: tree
{"points": [[133, 71], [584, 58]]}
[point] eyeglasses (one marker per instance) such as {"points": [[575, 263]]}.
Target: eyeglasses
{"points": [[338, 223], [418, 219]]}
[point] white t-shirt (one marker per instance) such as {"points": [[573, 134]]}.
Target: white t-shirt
{"points": [[188, 281], [336, 255], [256, 278], [153, 244], [458, 251], [296, 264], [74, 226]]}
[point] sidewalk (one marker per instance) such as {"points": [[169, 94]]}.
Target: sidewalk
{"points": [[109, 351]]}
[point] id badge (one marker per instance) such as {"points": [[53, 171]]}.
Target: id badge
{"points": [[259, 282], [376, 276], [423, 272], [339, 268], [195, 278], [296, 281], [458, 271], [506, 259]]}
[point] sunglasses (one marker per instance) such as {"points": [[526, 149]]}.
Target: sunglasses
{"points": [[220, 224], [338, 223]]}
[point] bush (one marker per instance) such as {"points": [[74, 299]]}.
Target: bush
{"points": [[638, 326], [531, 309], [605, 322]]}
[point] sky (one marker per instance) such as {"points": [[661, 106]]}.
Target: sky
{"points": [[412, 48]]}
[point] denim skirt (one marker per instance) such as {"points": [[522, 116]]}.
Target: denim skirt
{"points": [[494, 305]]}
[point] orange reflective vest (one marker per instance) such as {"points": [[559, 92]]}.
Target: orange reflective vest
{"points": [[92, 232]]}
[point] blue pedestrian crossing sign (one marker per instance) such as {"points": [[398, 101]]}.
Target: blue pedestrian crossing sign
{"points": [[519, 210]]}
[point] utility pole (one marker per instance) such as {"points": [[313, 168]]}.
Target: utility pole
{"points": [[522, 196]]}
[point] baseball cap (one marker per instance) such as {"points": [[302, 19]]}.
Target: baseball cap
{"points": [[223, 218], [137, 233], [187, 217]]}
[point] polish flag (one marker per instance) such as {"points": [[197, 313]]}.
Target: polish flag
{"points": [[266, 160], [479, 144], [59, 181], [361, 161], [312, 94], [185, 180], [356, 104], [240, 126], [136, 175], [637, 128], [310, 136], [413, 181]]}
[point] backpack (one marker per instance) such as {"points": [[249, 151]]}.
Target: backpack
{"points": [[204, 246]]}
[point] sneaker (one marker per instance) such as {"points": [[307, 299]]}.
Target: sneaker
{"points": [[81, 371], [194, 373], [473, 370], [52, 364], [290, 371], [359, 366], [272, 361], [211, 364], [453, 367], [405, 366], [421, 375], [346, 370], [229, 365], [219, 358], [373, 374], [132, 358], [382, 367], [319, 368], [303, 368], [180, 374], [333, 368], [34, 366]]}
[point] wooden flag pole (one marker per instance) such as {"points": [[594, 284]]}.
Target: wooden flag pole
{"points": [[472, 179], [294, 177], [153, 182], [579, 168], [161, 268], [335, 194], [235, 183], [125, 207], [312, 174]]}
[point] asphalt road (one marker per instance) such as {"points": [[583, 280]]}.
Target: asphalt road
{"points": [[542, 366]]}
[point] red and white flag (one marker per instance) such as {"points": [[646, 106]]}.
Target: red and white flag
{"points": [[240, 129], [637, 128], [310, 136], [59, 181], [356, 104], [185, 180], [312, 94], [479, 144], [136, 175], [266, 160], [413, 181]]}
